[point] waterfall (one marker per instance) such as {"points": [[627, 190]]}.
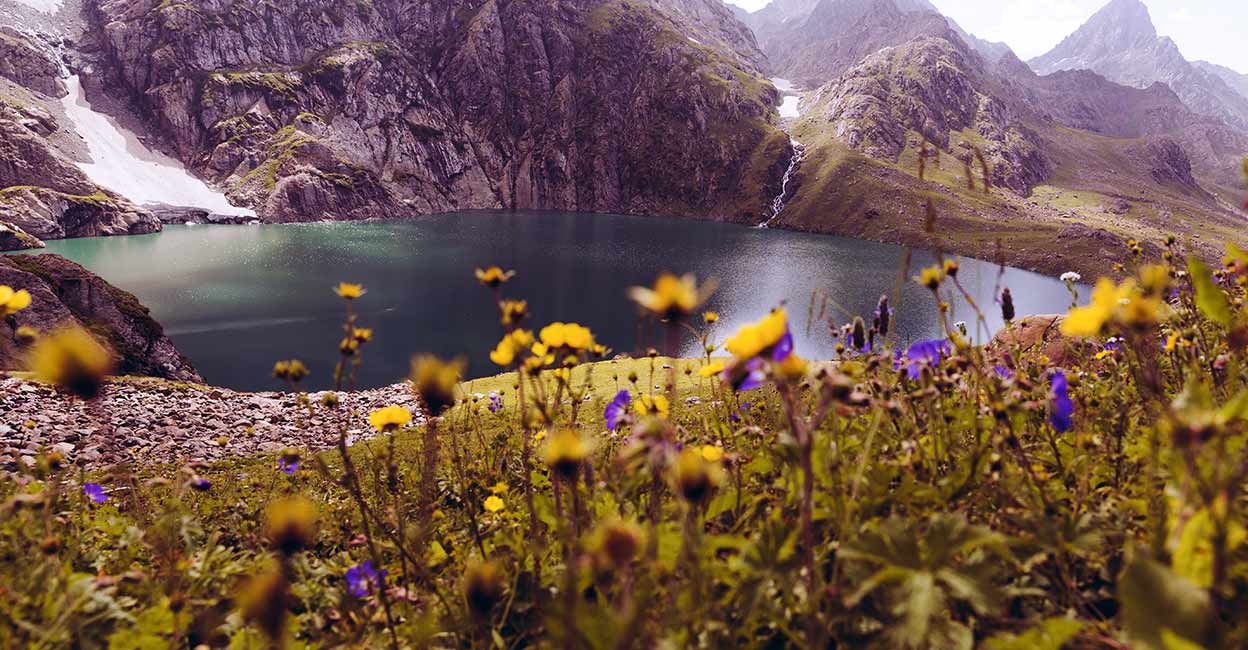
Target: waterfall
{"points": [[123, 164], [789, 112], [777, 204]]}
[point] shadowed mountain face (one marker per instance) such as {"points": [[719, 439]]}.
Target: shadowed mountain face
{"points": [[1121, 43], [318, 109]]}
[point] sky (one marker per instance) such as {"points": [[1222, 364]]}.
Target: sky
{"points": [[1212, 30]]}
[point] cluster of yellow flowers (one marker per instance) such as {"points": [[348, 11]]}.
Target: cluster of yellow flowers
{"points": [[567, 335]]}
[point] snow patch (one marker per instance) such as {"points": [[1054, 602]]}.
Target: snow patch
{"points": [[46, 6], [789, 107], [121, 163], [790, 101]]}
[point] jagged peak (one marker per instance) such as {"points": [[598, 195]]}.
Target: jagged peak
{"points": [[1128, 18]]}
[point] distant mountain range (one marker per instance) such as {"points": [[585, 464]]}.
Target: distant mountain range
{"points": [[1113, 135], [1121, 43], [316, 109]]}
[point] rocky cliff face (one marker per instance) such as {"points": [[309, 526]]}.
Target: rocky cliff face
{"points": [[1121, 43], [931, 87], [63, 294], [318, 109], [26, 65], [42, 193]]}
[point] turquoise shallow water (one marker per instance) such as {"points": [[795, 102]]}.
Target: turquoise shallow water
{"points": [[237, 298]]}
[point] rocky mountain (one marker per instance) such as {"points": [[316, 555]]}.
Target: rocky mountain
{"points": [[716, 24], [317, 109], [43, 194], [63, 294], [814, 41], [933, 88], [1236, 80], [1121, 43]]}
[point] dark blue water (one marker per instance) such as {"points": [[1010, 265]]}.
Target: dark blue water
{"points": [[237, 298]]}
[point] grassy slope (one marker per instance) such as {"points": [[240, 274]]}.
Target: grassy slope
{"points": [[843, 192]]}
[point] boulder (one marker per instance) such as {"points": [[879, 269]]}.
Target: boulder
{"points": [[65, 294], [1040, 335]]}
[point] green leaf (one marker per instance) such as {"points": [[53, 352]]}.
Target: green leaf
{"points": [[1049, 635], [149, 632], [1193, 555], [921, 601], [1156, 599], [436, 555], [1210, 298]]}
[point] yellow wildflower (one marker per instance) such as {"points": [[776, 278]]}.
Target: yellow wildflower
{"points": [[435, 381], [712, 369], [711, 453], [652, 405], [493, 276], [751, 340], [12, 301], [931, 277], [73, 361], [362, 334], [695, 477], [291, 524], [793, 366], [349, 291], [389, 418], [539, 436], [671, 297], [566, 335], [565, 452], [510, 346], [292, 370], [499, 488], [26, 335], [1107, 302], [513, 311], [710, 317], [493, 504]]}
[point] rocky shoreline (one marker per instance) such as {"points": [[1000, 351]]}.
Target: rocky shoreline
{"points": [[156, 421]]}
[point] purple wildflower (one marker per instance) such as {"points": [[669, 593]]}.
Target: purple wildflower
{"points": [[1062, 415], [496, 402], [201, 484], [1003, 372], [617, 408], [930, 351], [755, 376], [784, 347], [288, 467], [95, 492], [363, 579]]}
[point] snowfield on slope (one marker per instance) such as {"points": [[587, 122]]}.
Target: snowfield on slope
{"points": [[121, 163]]}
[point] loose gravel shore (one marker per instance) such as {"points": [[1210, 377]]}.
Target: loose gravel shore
{"points": [[156, 421]]}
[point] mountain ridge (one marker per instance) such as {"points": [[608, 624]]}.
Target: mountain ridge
{"points": [[1120, 42]]}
